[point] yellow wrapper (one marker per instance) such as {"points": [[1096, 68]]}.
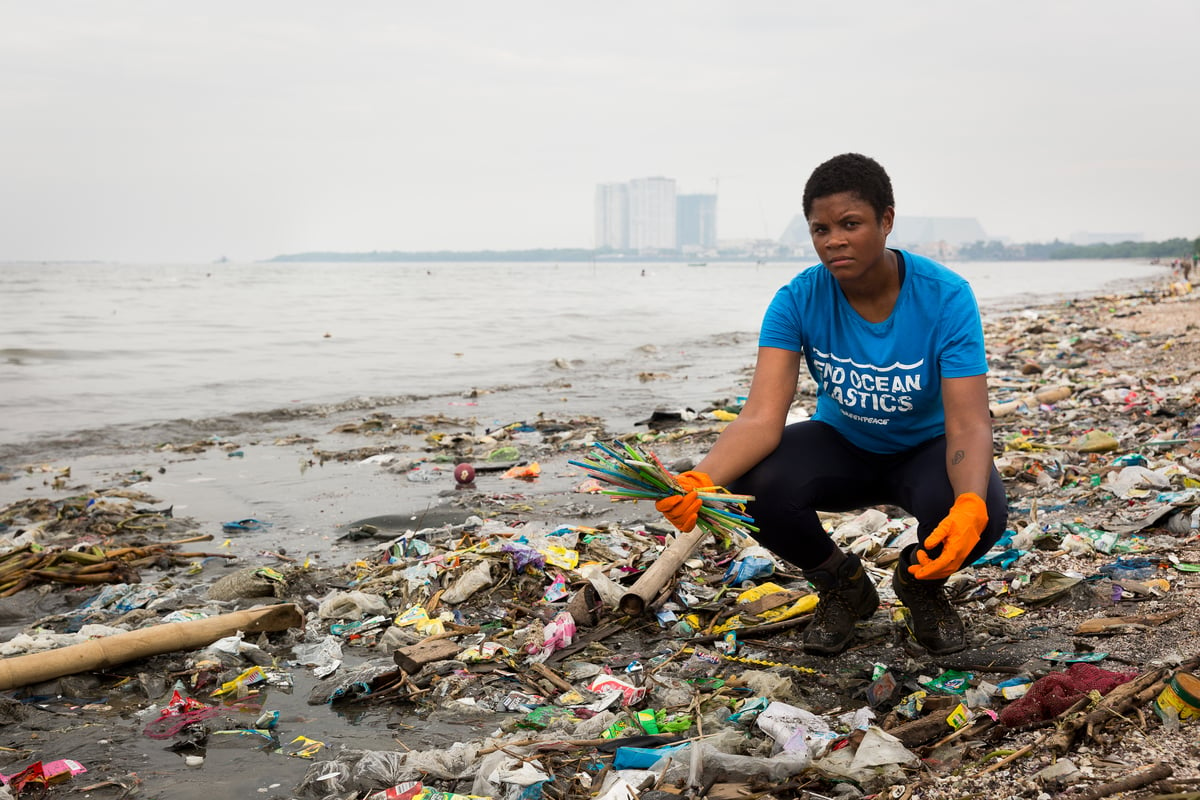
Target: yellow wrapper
{"points": [[561, 557], [802, 606], [412, 615], [958, 717], [303, 747], [759, 592]]}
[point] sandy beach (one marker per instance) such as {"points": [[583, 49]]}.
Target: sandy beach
{"points": [[323, 498]]}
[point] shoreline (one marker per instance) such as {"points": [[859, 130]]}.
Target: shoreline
{"points": [[79, 388], [294, 455]]}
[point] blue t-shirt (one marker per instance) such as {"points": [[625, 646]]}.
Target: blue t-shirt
{"points": [[880, 384]]}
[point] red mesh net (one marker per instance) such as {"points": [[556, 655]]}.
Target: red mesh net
{"points": [[1053, 694]]}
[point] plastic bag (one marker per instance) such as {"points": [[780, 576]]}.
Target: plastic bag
{"points": [[735, 767], [352, 605], [380, 769], [473, 580]]}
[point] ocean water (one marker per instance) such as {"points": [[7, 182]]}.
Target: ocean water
{"points": [[96, 346]]}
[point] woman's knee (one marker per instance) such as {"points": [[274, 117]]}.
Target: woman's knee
{"points": [[792, 470]]}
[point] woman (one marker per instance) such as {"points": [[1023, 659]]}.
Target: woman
{"points": [[895, 344]]}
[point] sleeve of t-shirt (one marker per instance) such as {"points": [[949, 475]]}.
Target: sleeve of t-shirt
{"points": [[781, 323], [963, 353]]}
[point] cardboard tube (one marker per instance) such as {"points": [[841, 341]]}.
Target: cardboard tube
{"points": [[122, 647], [634, 601]]}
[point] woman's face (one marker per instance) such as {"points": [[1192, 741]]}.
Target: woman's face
{"points": [[848, 238]]}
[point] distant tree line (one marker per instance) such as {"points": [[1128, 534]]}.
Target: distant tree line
{"points": [[978, 251], [998, 251], [562, 254]]}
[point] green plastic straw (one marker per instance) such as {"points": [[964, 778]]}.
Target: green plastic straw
{"points": [[638, 474]]}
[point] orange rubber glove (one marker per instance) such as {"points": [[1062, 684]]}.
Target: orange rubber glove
{"points": [[958, 534], [681, 510]]}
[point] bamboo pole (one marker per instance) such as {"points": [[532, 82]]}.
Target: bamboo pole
{"points": [[123, 647], [635, 601]]}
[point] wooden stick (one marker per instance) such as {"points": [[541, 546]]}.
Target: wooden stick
{"points": [[16, 586], [81, 557], [1137, 780], [551, 744], [1068, 722], [111, 576], [978, 726], [751, 630], [201, 554], [202, 537], [136, 552], [1132, 695], [528, 742], [1008, 759], [559, 682]]}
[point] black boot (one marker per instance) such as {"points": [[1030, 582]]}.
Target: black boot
{"points": [[846, 596], [935, 624]]}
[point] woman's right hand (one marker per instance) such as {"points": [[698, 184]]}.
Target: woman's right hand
{"points": [[682, 510]]}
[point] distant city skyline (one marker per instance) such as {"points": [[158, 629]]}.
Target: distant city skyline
{"points": [[648, 215]]}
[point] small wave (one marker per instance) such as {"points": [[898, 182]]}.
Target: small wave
{"points": [[130, 437]]}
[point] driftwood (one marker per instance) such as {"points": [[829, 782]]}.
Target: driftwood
{"points": [[1122, 701], [1137, 780], [770, 601], [414, 656], [932, 725], [583, 641], [556, 680], [1108, 625], [22, 568]]}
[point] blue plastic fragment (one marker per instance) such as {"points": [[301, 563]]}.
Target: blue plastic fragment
{"points": [[642, 757], [245, 525]]}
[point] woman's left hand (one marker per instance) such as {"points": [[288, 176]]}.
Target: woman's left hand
{"points": [[957, 534]]}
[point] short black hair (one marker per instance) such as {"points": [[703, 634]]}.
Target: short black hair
{"points": [[851, 172]]}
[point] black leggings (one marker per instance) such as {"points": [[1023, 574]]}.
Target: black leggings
{"points": [[815, 468]]}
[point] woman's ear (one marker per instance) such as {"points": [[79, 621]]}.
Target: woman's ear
{"points": [[889, 218]]}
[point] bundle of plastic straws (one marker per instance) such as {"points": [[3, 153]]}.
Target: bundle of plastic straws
{"points": [[636, 474]]}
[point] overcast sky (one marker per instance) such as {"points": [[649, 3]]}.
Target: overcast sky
{"points": [[144, 130]]}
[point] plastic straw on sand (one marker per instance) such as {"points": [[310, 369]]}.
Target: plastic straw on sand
{"points": [[636, 474]]}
